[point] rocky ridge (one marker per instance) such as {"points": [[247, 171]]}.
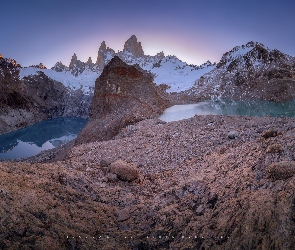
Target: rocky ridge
{"points": [[35, 98], [168, 70], [249, 72]]}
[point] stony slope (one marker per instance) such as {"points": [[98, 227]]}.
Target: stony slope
{"points": [[197, 189]]}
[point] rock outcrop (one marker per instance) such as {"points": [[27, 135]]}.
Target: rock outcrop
{"points": [[46, 94], [39, 66], [76, 66], [89, 63], [123, 95], [16, 108], [134, 47]]}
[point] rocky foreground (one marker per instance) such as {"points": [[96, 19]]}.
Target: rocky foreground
{"points": [[209, 182]]}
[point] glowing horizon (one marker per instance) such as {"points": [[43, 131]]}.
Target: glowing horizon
{"points": [[194, 31]]}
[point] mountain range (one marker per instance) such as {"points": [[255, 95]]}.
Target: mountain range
{"points": [[178, 75], [251, 71]]}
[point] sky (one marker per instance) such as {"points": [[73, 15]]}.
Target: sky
{"points": [[48, 31]]}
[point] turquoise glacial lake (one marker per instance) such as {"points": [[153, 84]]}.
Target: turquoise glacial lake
{"points": [[52, 133], [245, 108], [45, 135]]}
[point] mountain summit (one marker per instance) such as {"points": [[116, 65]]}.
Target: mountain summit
{"points": [[134, 47], [250, 72]]}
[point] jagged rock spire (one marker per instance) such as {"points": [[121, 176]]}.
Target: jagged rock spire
{"points": [[103, 47], [102, 54], [76, 66], [73, 61], [134, 47], [89, 63]]}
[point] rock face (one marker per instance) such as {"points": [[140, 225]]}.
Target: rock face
{"points": [[16, 108], [46, 94], [59, 67], [134, 47], [76, 66], [89, 63], [250, 71], [123, 95], [103, 53], [35, 98]]}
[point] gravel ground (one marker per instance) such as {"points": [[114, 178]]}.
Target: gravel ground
{"points": [[208, 182]]}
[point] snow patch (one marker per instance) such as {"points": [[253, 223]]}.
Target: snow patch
{"points": [[84, 81]]}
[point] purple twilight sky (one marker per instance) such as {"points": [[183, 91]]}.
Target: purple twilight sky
{"points": [[47, 31]]}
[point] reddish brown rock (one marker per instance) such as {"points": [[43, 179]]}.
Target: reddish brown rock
{"points": [[134, 47], [124, 171], [123, 95]]}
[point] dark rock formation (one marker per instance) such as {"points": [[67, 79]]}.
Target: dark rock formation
{"points": [[76, 66], [35, 98], [45, 94], [16, 108], [54, 100], [123, 95], [59, 67], [134, 47]]}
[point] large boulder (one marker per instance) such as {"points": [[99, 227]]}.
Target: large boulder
{"points": [[123, 95], [124, 171]]}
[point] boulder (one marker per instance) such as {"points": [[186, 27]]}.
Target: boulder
{"points": [[124, 171], [233, 134]]}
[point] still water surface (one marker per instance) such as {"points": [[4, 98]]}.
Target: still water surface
{"points": [[249, 108], [45, 135], [49, 134]]}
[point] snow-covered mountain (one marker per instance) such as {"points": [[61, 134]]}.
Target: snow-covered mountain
{"points": [[250, 71], [169, 70]]}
